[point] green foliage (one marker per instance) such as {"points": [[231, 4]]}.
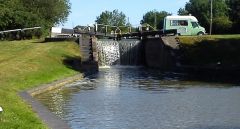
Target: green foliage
{"points": [[226, 14], [52, 11], [201, 10], [15, 14], [154, 18], [182, 12], [114, 18], [234, 13], [222, 25]]}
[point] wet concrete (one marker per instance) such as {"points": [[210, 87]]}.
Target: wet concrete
{"points": [[47, 117], [43, 113]]}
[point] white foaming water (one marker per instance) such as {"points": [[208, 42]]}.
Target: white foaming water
{"points": [[108, 52], [123, 52], [105, 67]]}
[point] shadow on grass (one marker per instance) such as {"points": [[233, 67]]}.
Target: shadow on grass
{"points": [[39, 41], [75, 63], [56, 40]]}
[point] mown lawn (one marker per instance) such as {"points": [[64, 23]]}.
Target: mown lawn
{"points": [[191, 40], [24, 65], [211, 50]]}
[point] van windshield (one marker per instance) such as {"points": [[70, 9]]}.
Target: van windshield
{"points": [[194, 24]]}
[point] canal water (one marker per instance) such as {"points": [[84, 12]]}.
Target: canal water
{"points": [[139, 98]]}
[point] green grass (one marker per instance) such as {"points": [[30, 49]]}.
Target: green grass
{"points": [[210, 50], [24, 65], [196, 39]]}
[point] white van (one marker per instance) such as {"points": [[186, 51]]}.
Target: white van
{"points": [[185, 25]]}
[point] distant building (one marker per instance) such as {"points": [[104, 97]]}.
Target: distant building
{"points": [[55, 31], [61, 32]]}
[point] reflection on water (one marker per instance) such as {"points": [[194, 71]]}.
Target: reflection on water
{"points": [[136, 98]]}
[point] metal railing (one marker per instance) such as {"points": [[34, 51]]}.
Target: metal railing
{"points": [[16, 30]]}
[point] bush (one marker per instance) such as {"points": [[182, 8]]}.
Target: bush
{"points": [[222, 25]]}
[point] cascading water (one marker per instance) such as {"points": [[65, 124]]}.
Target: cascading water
{"points": [[130, 51], [123, 52], [108, 52]]}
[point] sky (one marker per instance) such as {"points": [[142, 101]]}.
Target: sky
{"points": [[84, 12]]}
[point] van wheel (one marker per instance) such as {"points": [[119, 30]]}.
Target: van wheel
{"points": [[200, 33]]}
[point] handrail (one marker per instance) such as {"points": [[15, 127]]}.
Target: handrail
{"points": [[15, 30]]}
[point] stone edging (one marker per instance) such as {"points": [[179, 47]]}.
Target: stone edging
{"points": [[50, 119], [53, 85]]}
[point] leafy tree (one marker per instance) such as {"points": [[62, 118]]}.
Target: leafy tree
{"points": [[9, 13], [114, 18], [221, 20], [182, 11], [201, 10], [222, 25], [234, 13], [153, 17], [52, 11], [16, 14]]}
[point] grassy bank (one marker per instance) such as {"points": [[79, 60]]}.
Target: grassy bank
{"points": [[27, 64], [212, 50]]}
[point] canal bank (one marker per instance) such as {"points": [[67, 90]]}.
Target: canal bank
{"points": [[27, 64], [216, 55], [216, 51], [48, 117]]}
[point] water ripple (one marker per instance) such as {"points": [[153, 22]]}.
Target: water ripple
{"points": [[138, 98]]}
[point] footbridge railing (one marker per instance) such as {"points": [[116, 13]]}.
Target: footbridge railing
{"points": [[17, 30], [123, 31]]}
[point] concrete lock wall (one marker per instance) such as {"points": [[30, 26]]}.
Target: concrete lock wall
{"points": [[157, 54], [89, 57]]}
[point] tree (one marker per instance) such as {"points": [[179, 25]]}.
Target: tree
{"points": [[9, 14], [201, 10], [154, 18], [53, 12], [222, 25], [16, 14], [234, 13], [114, 18], [182, 12]]}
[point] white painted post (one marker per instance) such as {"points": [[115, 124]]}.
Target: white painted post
{"points": [[96, 27], [1, 110]]}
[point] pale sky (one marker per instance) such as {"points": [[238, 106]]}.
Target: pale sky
{"points": [[84, 12]]}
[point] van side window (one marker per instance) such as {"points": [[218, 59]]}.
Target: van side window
{"points": [[179, 23], [174, 22], [194, 24]]}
